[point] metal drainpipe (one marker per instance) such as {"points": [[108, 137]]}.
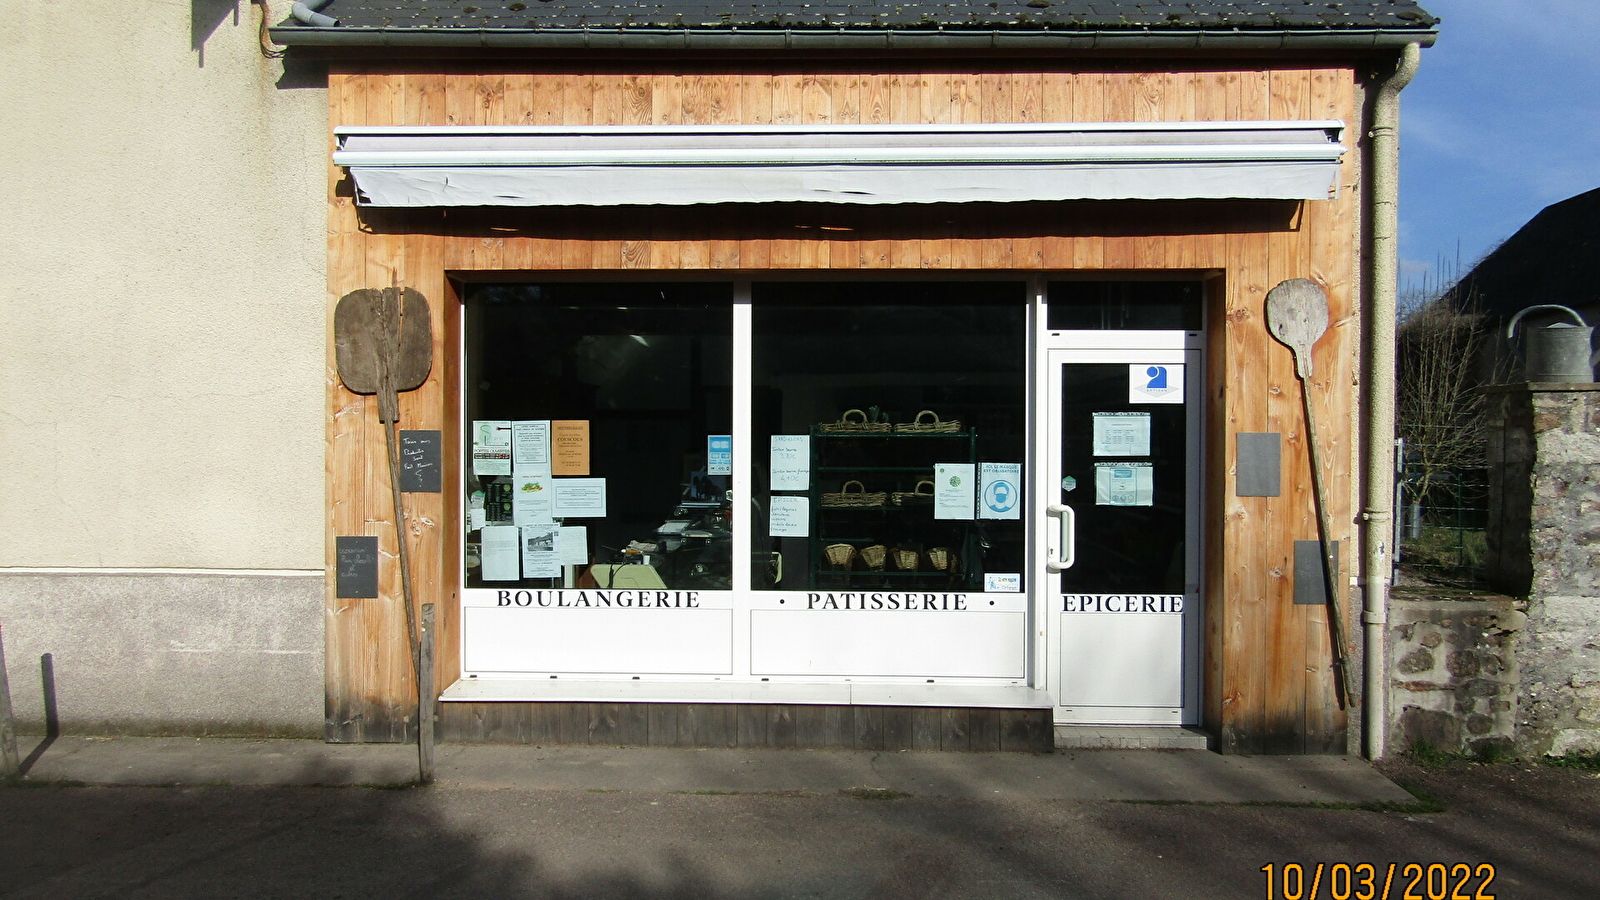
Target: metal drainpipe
{"points": [[306, 13], [1380, 425]]}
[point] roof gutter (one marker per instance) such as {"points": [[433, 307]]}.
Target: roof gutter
{"points": [[856, 39]]}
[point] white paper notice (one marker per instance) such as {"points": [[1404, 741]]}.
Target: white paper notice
{"points": [[541, 558], [954, 490], [533, 500], [530, 447], [791, 462], [1121, 434], [501, 555], [580, 498], [790, 517], [1001, 485], [1124, 484], [574, 542], [491, 448]]}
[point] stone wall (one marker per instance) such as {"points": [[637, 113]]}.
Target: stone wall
{"points": [[1544, 544], [1455, 678]]}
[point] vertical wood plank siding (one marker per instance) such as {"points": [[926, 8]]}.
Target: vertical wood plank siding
{"points": [[1268, 673]]}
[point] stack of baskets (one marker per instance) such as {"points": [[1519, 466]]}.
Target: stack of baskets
{"points": [[855, 421], [840, 556], [927, 422], [853, 494], [917, 497], [874, 556]]}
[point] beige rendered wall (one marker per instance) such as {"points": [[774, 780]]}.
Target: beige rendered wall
{"points": [[162, 333], [162, 293]]}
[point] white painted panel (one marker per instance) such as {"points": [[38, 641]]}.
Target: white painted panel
{"points": [[648, 641], [1121, 659], [887, 644]]}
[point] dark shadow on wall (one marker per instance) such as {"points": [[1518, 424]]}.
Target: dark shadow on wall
{"points": [[52, 715], [844, 223], [205, 17]]}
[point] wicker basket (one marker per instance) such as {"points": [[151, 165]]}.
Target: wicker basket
{"points": [[845, 498], [906, 560], [854, 421], [917, 497], [942, 558], [840, 555], [874, 556], [928, 423]]}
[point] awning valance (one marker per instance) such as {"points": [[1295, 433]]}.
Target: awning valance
{"points": [[418, 166]]}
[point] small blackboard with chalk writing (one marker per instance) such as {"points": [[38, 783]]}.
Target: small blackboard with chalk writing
{"points": [[356, 572], [420, 462]]}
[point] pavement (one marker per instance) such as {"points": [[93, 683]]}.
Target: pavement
{"points": [[179, 818], [1176, 776]]}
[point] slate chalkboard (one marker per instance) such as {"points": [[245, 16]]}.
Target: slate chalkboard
{"points": [[420, 462], [356, 573], [1310, 575], [1259, 469]]}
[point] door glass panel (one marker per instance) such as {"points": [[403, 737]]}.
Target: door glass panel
{"points": [[1124, 473]]}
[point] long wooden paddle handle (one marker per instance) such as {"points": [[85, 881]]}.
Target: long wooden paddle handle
{"points": [[405, 557], [1330, 570]]}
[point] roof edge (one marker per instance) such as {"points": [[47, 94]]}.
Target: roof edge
{"points": [[861, 39]]}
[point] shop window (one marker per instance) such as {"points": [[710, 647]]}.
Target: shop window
{"points": [[604, 408], [889, 421]]}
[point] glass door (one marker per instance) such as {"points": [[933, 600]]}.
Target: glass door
{"points": [[1120, 533]]}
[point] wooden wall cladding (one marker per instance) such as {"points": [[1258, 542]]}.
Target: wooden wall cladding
{"points": [[775, 726], [1268, 684]]}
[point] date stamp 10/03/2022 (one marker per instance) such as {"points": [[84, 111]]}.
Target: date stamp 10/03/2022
{"points": [[1379, 881]]}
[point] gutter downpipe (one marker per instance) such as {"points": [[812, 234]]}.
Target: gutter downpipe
{"points": [[1378, 515], [307, 12]]}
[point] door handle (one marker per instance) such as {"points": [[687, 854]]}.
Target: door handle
{"points": [[1067, 549]]}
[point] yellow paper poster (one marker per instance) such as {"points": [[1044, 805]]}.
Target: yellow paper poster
{"points": [[569, 447]]}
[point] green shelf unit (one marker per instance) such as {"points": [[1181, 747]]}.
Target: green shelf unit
{"points": [[889, 461]]}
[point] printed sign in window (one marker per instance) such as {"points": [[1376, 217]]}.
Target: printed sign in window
{"points": [[719, 454], [1121, 434], [1124, 484], [954, 490], [1155, 383], [1001, 491]]}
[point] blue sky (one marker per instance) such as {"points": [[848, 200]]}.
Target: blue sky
{"points": [[1502, 120]]}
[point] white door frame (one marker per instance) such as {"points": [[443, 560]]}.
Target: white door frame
{"points": [[1055, 349]]}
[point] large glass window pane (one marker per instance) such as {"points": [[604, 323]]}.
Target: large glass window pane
{"points": [[1124, 305], [879, 412], [625, 387]]}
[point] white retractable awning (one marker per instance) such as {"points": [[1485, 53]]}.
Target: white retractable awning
{"points": [[418, 166]]}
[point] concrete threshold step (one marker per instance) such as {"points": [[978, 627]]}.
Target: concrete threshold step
{"points": [[1130, 737]]}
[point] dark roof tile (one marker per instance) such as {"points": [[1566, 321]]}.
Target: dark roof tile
{"points": [[984, 14]]}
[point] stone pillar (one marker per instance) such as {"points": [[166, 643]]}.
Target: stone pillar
{"points": [[1544, 544]]}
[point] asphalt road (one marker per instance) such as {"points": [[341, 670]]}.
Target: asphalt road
{"points": [[1539, 828]]}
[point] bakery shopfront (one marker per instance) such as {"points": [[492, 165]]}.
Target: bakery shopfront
{"points": [[828, 492], [801, 401]]}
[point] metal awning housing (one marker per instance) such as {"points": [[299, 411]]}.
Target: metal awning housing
{"points": [[420, 166]]}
